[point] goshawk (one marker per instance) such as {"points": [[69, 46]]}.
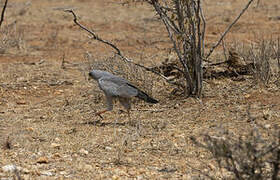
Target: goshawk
{"points": [[115, 87]]}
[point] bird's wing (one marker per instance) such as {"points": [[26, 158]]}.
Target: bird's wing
{"points": [[117, 87]]}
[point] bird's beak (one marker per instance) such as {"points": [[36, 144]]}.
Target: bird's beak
{"points": [[90, 77]]}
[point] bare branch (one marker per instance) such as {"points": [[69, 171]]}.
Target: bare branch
{"points": [[118, 51], [92, 33], [228, 28], [224, 50], [3, 12], [203, 28], [164, 16]]}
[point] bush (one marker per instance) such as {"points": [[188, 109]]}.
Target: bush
{"points": [[254, 156]]}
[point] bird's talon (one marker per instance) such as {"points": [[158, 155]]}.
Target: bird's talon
{"points": [[97, 114]]}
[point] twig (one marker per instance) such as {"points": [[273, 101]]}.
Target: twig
{"points": [[224, 49], [3, 12], [63, 61], [228, 28], [218, 63], [118, 51], [203, 28], [149, 110]]}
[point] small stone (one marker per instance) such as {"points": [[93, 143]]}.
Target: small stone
{"points": [[115, 177], [63, 173], [108, 148], [20, 79], [29, 129], [10, 168], [42, 160], [140, 177], [57, 139], [21, 102], [56, 155], [46, 173], [84, 152], [267, 126], [55, 145], [8, 178], [25, 171], [88, 167]]}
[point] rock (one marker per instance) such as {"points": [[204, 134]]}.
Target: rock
{"points": [[55, 145], [29, 129], [115, 177], [62, 173], [88, 167], [85, 167], [140, 177], [10, 168], [46, 173], [21, 102], [25, 171], [56, 155], [108, 148], [83, 152], [267, 126], [8, 178], [42, 160]]}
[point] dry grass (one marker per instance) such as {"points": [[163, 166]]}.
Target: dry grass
{"points": [[12, 39], [264, 57], [46, 109]]}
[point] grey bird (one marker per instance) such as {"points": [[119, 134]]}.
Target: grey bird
{"points": [[115, 87]]}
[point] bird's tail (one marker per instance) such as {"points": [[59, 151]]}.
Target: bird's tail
{"points": [[146, 97]]}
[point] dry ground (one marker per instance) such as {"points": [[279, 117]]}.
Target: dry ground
{"points": [[46, 109]]}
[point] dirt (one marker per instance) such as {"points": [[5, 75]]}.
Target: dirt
{"points": [[47, 103]]}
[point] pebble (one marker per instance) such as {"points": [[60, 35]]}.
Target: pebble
{"points": [[56, 155], [63, 173], [115, 177], [108, 148], [8, 178], [55, 145], [42, 160], [140, 177], [267, 126], [88, 167], [46, 173], [10, 168], [84, 152]]}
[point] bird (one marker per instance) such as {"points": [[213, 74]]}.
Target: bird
{"points": [[115, 87]]}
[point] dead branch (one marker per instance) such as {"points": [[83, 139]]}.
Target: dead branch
{"points": [[3, 12], [224, 49], [185, 25], [63, 62], [228, 28], [118, 51], [203, 28]]}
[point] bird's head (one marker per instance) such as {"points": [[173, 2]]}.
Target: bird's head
{"points": [[92, 75], [96, 74]]}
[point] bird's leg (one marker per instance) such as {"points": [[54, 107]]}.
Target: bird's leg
{"points": [[129, 117], [101, 112], [128, 113]]}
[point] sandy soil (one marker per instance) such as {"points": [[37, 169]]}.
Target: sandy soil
{"points": [[47, 107]]}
